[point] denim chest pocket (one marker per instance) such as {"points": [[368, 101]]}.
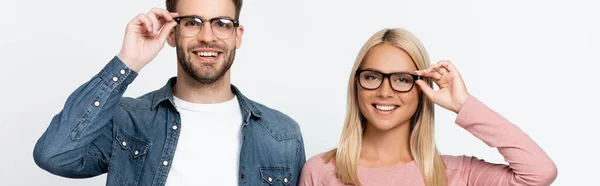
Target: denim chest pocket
{"points": [[280, 175], [128, 158], [134, 146]]}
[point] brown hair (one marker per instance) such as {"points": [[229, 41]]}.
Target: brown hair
{"points": [[171, 4]]}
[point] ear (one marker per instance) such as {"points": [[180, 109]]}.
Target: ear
{"points": [[238, 36], [171, 38]]}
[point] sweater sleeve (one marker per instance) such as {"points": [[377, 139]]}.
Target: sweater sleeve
{"points": [[528, 164]]}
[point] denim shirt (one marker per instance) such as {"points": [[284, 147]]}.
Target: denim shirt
{"points": [[134, 139]]}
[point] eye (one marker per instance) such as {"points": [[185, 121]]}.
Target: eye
{"points": [[192, 22], [370, 77], [223, 23], [402, 79]]}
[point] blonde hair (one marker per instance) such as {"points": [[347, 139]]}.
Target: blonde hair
{"points": [[422, 142]]}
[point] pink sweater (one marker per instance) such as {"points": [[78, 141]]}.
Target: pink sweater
{"points": [[528, 163]]}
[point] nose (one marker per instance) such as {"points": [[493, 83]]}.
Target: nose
{"points": [[385, 90], [206, 34]]}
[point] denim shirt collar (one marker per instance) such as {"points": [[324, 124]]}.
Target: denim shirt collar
{"points": [[247, 106]]}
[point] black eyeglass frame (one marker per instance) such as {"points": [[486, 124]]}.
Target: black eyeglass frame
{"points": [[236, 23], [388, 76]]}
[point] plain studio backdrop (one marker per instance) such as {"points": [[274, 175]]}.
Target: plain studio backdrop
{"points": [[534, 62]]}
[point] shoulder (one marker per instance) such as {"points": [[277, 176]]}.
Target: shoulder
{"points": [[320, 162], [277, 122], [143, 102], [463, 161], [274, 115], [317, 168], [135, 103], [462, 166], [457, 162]]}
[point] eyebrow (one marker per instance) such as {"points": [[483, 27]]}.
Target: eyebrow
{"points": [[218, 17], [372, 69]]}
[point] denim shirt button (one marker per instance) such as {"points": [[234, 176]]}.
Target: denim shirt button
{"points": [[97, 103], [136, 153], [122, 72], [270, 179], [115, 79], [165, 163], [174, 127], [124, 144], [285, 180]]}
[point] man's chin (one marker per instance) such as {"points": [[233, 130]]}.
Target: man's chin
{"points": [[206, 70], [205, 75], [206, 79]]}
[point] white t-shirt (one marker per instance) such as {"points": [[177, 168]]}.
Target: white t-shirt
{"points": [[209, 144]]}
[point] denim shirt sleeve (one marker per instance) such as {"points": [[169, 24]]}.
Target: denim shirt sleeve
{"points": [[77, 142]]}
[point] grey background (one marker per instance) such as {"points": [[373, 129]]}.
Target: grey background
{"points": [[535, 62]]}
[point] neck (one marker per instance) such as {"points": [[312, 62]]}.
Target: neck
{"points": [[386, 148], [188, 89]]}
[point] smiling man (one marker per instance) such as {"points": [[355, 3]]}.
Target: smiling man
{"points": [[196, 130]]}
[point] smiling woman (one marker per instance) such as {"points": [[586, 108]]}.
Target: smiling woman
{"points": [[388, 136]]}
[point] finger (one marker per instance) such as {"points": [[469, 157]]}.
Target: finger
{"points": [[448, 65], [439, 69], [429, 72], [155, 24], [173, 16], [144, 21], [162, 13], [163, 16], [429, 92], [165, 31], [442, 68]]}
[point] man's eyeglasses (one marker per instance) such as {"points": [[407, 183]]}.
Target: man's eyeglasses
{"points": [[399, 81], [222, 28]]}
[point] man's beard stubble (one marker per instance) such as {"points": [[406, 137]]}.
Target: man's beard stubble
{"points": [[201, 72]]}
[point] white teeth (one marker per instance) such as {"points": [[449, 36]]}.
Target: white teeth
{"points": [[385, 108], [207, 54]]}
